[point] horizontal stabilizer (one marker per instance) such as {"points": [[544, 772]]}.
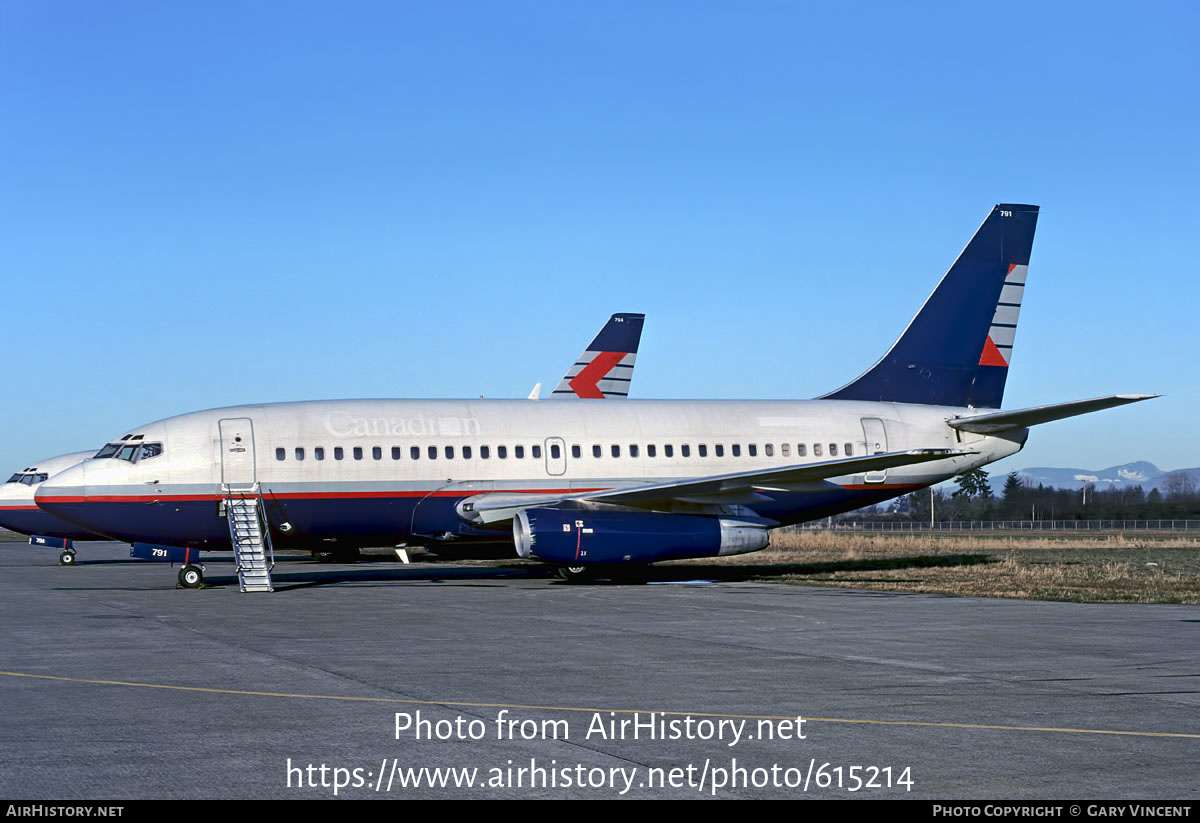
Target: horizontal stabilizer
{"points": [[1023, 418]]}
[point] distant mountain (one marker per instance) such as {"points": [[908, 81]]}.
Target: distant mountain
{"points": [[1126, 476]]}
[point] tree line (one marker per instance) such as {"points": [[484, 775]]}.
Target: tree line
{"points": [[973, 499]]}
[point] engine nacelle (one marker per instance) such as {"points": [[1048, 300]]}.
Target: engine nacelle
{"points": [[591, 538]]}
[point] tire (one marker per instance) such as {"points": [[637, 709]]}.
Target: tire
{"points": [[190, 577], [67, 558], [575, 574]]}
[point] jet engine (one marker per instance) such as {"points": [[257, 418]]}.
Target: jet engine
{"points": [[592, 538]]}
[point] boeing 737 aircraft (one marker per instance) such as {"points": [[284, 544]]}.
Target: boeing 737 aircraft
{"points": [[20, 514], [604, 369], [583, 485]]}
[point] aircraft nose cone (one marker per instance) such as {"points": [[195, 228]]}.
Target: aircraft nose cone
{"points": [[62, 493]]}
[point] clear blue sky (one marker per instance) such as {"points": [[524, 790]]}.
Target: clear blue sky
{"points": [[214, 203]]}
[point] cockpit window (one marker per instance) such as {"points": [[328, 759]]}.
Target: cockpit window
{"points": [[16, 478], [132, 451]]}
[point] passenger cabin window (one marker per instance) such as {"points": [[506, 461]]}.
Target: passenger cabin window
{"points": [[281, 453], [685, 451], [816, 449], [299, 453], [596, 452], [737, 449], [502, 452], [414, 452], [633, 450], [519, 452], [536, 451], [358, 452], [849, 451], [769, 449], [616, 450], [801, 450], [753, 448], [703, 449], [432, 450], [466, 452], [338, 454], [785, 449], [555, 451], [485, 452], [651, 450], [719, 450], [376, 453], [319, 452], [395, 452], [449, 450], [833, 449], [576, 451], [669, 450]]}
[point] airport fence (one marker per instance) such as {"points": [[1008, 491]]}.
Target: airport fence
{"points": [[1001, 525]]}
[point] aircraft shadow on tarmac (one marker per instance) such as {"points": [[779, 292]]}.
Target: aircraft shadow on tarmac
{"points": [[296, 573]]}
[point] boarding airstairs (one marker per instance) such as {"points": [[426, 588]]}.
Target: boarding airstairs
{"points": [[251, 540]]}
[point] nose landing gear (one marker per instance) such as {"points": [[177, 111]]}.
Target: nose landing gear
{"points": [[191, 577]]}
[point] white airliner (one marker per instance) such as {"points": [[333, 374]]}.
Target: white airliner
{"points": [[585, 484], [604, 369]]}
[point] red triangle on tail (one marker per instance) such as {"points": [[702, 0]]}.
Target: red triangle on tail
{"points": [[991, 355]]}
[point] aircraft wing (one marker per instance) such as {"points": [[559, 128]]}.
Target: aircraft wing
{"points": [[739, 487], [1022, 418]]}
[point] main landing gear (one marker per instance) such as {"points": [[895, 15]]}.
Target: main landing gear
{"points": [[617, 573], [191, 577], [67, 557], [575, 574]]}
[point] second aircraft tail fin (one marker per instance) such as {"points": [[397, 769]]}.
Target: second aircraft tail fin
{"points": [[605, 368]]}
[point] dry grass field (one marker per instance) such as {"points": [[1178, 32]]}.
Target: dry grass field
{"points": [[1090, 567]]}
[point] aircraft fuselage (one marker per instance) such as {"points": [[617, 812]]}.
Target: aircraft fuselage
{"points": [[380, 472]]}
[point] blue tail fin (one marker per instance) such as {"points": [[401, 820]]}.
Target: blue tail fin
{"points": [[957, 350]]}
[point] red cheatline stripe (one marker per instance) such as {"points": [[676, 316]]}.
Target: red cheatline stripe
{"points": [[18, 508], [584, 383], [1011, 266]]}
